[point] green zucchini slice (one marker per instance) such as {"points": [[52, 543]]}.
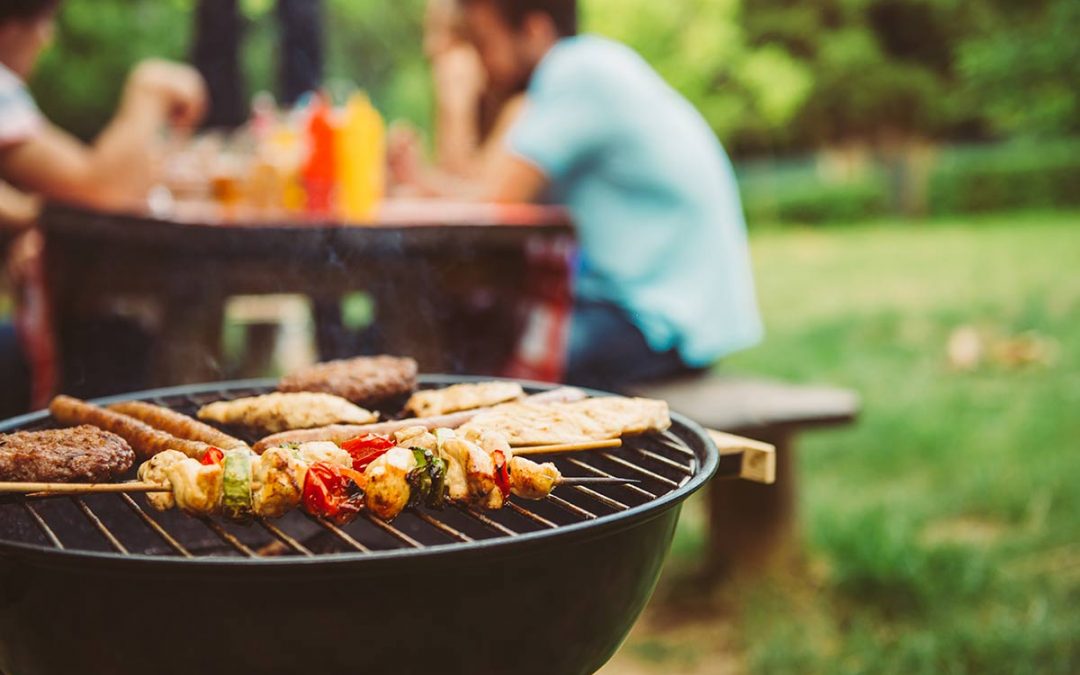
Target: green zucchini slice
{"points": [[236, 475]]}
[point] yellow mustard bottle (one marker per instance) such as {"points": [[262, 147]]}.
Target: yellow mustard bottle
{"points": [[361, 156]]}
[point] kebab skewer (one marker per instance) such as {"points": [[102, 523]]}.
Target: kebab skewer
{"points": [[381, 474]]}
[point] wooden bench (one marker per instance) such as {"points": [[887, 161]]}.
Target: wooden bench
{"points": [[751, 523]]}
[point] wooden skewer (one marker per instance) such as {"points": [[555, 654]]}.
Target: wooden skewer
{"points": [[79, 488], [53, 489], [566, 447]]}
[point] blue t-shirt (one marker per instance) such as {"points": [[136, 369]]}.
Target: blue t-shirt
{"points": [[652, 193]]}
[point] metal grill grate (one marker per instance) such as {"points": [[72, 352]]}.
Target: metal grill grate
{"points": [[125, 525]]}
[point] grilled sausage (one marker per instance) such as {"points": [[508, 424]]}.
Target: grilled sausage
{"points": [[177, 424], [339, 433], [143, 438]]}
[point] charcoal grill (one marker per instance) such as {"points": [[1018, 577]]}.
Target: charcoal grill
{"points": [[103, 583]]}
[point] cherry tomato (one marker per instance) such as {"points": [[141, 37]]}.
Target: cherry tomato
{"points": [[330, 493]]}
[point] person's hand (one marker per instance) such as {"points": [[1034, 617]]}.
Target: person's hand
{"points": [[404, 153], [459, 78], [177, 89]]}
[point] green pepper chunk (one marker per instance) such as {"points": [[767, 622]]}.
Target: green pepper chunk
{"points": [[236, 488], [437, 496]]}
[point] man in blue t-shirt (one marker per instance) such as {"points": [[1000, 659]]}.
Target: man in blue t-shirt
{"points": [[665, 283]]}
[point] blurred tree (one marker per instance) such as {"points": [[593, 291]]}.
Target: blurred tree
{"points": [[1022, 68], [372, 43], [748, 92], [769, 75], [881, 68], [78, 80]]}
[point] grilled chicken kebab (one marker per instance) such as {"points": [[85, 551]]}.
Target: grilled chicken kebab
{"points": [[382, 474]]}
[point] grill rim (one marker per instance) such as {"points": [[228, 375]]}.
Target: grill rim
{"points": [[708, 460]]}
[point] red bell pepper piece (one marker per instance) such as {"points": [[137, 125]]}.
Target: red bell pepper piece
{"points": [[502, 473], [212, 456], [366, 449]]}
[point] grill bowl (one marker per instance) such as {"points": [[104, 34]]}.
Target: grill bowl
{"points": [[556, 598]]}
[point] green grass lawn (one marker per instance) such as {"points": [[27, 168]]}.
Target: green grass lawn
{"points": [[942, 532]]}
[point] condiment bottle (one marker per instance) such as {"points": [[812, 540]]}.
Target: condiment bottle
{"points": [[319, 169], [361, 156]]}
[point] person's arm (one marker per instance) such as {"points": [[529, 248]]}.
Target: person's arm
{"points": [[117, 168], [554, 133], [459, 84], [507, 179], [498, 174]]}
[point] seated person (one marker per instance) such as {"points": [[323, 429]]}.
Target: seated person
{"points": [[665, 284], [41, 159], [472, 117]]}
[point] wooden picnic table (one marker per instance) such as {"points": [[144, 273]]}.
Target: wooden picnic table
{"points": [[434, 270]]}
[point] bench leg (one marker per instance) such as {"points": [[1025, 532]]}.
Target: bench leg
{"points": [[752, 525]]}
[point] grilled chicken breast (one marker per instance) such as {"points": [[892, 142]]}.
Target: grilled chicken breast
{"points": [[594, 419], [462, 397], [273, 413]]}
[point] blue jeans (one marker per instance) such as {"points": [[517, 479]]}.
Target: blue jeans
{"points": [[607, 351]]}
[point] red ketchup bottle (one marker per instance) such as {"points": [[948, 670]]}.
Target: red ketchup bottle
{"points": [[318, 172]]}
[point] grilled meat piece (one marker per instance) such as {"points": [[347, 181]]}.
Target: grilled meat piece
{"points": [[366, 380], [462, 397], [387, 490], [75, 455], [143, 438], [177, 424], [530, 480], [197, 488], [594, 419], [279, 412], [327, 453], [277, 482], [156, 470], [470, 471], [339, 433]]}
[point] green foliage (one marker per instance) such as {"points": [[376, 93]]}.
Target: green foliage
{"points": [[1018, 175], [1023, 68], [963, 179], [701, 49], [78, 80], [942, 527], [370, 43], [768, 75], [806, 198]]}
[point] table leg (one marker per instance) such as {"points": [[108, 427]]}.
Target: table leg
{"points": [[188, 349], [753, 525]]}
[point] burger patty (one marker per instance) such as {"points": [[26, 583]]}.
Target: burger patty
{"points": [[77, 454], [365, 380]]}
